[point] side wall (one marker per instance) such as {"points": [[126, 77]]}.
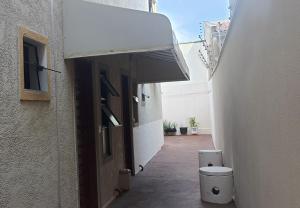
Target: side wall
{"points": [[256, 101], [37, 146], [182, 100], [148, 135]]}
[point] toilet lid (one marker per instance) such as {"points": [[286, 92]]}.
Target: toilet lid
{"points": [[215, 171]]}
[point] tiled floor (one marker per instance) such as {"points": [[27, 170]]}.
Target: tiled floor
{"points": [[171, 178]]}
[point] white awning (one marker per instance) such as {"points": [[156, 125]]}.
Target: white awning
{"points": [[93, 29]]}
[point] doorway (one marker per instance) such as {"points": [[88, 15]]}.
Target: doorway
{"points": [[127, 124], [85, 130]]}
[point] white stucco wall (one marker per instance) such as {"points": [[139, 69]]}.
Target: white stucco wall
{"points": [[148, 140], [182, 100], [148, 135], [232, 5], [37, 145], [257, 103], [130, 4]]}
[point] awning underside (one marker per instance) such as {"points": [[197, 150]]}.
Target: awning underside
{"points": [[159, 66], [93, 29]]}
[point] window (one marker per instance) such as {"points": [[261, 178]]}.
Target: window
{"points": [[135, 103], [108, 120], [110, 116], [34, 64]]}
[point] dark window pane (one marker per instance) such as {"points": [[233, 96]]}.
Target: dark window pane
{"points": [[31, 63], [108, 86], [26, 68], [110, 116]]}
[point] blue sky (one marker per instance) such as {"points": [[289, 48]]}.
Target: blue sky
{"points": [[186, 15]]}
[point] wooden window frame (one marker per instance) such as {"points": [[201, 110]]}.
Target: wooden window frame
{"points": [[28, 94], [135, 104]]}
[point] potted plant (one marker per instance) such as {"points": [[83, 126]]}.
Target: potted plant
{"points": [[194, 125], [169, 128], [183, 130]]}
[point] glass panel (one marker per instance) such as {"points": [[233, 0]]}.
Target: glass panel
{"points": [[109, 86], [31, 71], [110, 116]]}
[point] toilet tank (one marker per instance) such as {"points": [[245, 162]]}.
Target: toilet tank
{"points": [[210, 158]]}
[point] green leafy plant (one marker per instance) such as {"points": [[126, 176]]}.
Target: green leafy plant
{"points": [[173, 125], [169, 127], [193, 123]]}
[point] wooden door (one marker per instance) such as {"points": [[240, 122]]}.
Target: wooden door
{"points": [[87, 167]]}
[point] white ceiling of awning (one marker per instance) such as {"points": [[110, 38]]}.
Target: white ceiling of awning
{"points": [[92, 29]]}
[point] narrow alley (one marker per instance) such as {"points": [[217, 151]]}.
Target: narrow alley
{"points": [[171, 178]]}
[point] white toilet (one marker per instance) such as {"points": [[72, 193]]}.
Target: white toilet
{"points": [[209, 158], [216, 184]]}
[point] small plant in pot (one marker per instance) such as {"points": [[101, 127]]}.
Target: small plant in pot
{"points": [[170, 128], [183, 130], [194, 125]]}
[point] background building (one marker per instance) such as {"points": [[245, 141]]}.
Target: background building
{"points": [[183, 100], [213, 40]]}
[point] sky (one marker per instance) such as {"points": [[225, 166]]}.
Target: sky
{"points": [[186, 15]]}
